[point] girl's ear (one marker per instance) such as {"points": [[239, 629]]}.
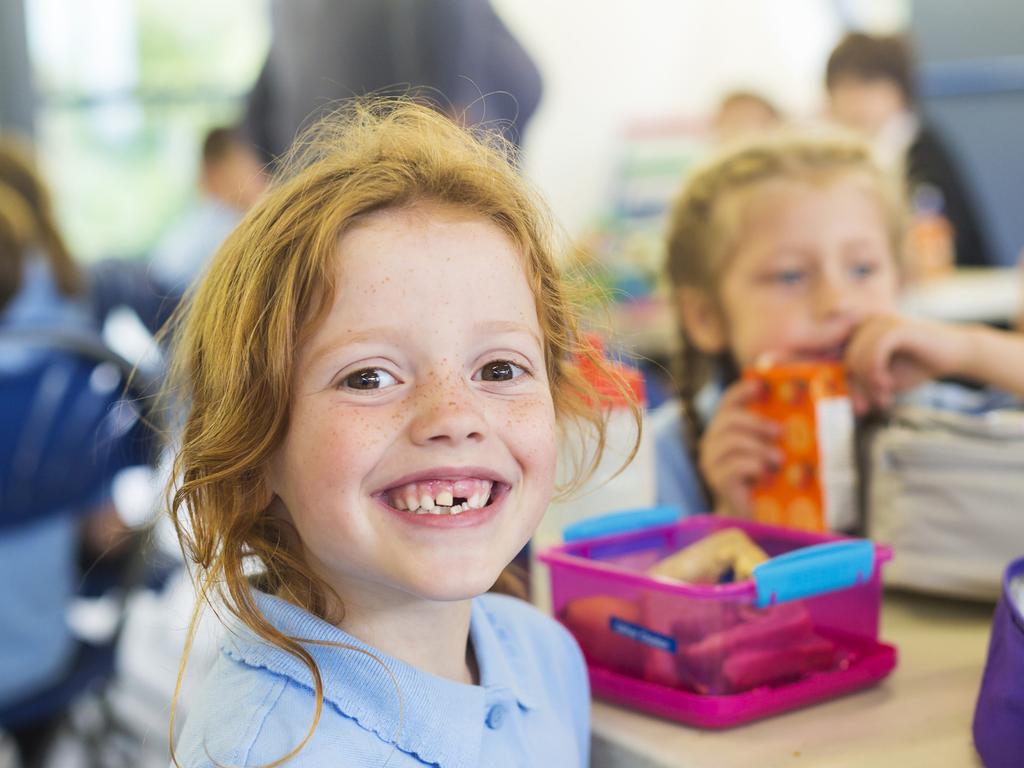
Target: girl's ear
{"points": [[269, 482], [277, 508], [699, 316]]}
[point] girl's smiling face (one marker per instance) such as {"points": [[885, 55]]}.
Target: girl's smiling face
{"points": [[420, 450], [813, 261]]}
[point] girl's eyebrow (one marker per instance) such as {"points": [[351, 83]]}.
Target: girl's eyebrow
{"points": [[491, 327], [347, 337], [864, 242], [394, 336]]}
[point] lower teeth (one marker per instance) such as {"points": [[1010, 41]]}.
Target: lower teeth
{"points": [[440, 509]]}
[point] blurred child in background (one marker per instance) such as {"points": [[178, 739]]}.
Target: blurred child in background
{"points": [[791, 250], [872, 90], [42, 282], [743, 115], [41, 292], [231, 179]]}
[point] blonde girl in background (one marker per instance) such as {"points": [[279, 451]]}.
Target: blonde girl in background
{"points": [[376, 365], [789, 250], [42, 276]]}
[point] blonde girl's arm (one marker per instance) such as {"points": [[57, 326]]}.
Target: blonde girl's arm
{"points": [[994, 357], [891, 354]]}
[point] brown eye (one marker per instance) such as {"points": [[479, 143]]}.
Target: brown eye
{"points": [[369, 378], [500, 370]]}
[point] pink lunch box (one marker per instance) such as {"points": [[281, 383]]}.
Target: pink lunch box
{"points": [[804, 629]]}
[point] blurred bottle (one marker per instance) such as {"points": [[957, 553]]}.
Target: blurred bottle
{"points": [[605, 491], [930, 239]]}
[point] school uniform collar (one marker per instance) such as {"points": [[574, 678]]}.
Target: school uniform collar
{"points": [[439, 721], [499, 657]]}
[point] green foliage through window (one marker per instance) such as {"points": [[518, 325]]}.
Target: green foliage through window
{"points": [[126, 90]]}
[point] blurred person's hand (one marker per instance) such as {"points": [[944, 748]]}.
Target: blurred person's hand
{"points": [[891, 354], [738, 448]]}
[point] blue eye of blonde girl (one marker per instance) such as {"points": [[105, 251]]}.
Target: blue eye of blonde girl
{"points": [[789, 276], [865, 269], [499, 370], [369, 379]]}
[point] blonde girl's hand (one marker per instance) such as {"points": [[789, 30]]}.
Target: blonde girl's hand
{"points": [[738, 449], [890, 354]]}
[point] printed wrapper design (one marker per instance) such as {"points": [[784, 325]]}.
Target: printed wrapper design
{"points": [[815, 488]]}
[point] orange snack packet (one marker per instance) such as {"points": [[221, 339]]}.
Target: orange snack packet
{"points": [[815, 489]]}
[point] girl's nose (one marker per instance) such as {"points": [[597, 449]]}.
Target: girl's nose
{"points": [[832, 298], [447, 412]]}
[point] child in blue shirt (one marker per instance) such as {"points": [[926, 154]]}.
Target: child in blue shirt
{"points": [[46, 395], [376, 366], [789, 250]]}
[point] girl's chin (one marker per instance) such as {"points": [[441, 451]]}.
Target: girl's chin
{"points": [[453, 588]]}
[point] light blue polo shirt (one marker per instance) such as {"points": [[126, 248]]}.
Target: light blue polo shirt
{"points": [[677, 481], [532, 706]]}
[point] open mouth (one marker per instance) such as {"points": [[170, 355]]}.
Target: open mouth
{"points": [[831, 354], [443, 497]]}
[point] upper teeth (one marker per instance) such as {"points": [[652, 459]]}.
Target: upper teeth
{"points": [[437, 497]]}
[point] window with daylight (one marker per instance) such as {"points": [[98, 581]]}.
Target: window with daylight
{"points": [[124, 92]]}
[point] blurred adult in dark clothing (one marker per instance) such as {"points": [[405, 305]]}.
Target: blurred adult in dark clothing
{"points": [[230, 181], [871, 88], [456, 53]]}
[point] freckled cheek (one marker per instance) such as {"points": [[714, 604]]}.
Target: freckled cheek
{"points": [[529, 425], [342, 434]]}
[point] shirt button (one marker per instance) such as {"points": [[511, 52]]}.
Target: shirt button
{"points": [[495, 717]]}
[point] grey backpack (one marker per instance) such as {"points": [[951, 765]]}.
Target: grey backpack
{"points": [[946, 491]]}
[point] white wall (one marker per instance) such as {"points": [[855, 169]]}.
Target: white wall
{"points": [[606, 62]]}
